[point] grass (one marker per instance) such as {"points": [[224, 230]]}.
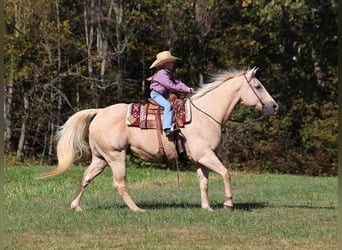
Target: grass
{"points": [[271, 212]]}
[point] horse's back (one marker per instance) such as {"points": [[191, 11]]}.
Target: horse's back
{"points": [[108, 127], [114, 113]]}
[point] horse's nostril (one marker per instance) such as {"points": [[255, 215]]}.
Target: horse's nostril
{"points": [[275, 107]]}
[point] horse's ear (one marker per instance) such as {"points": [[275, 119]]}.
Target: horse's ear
{"points": [[255, 69], [251, 73]]}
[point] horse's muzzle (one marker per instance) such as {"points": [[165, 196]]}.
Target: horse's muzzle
{"points": [[270, 108]]}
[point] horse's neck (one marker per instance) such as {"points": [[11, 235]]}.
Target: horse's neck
{"points": [[221, 101]]}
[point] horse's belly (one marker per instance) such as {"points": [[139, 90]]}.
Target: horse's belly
{"points": [[151, 152]]}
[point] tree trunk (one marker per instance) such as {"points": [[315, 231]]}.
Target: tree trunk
{"points": [[120, 44], [55, 113], [7, 114], [25, 117], [8, 86], [59, 66], [89, 33], [317, 69]]}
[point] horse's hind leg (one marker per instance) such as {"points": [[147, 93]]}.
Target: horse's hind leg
{"points": [[95, 168], [118, 166]]}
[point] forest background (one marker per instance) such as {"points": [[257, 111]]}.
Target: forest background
{"points": [[63, 56]]}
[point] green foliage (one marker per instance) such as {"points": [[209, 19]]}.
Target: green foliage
{"points": [[302, 138], [294, 43]]}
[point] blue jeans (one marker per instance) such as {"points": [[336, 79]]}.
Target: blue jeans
{"points": [[160, 99]]}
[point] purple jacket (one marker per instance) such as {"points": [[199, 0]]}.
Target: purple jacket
{"points": [[164, 82]]}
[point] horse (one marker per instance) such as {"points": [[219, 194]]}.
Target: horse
{"points": [[106, 133]]}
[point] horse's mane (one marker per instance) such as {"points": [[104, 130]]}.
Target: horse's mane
{"points": [[216, 81]]}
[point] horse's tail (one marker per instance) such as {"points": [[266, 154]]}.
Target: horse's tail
{"points": [[71, 141]]}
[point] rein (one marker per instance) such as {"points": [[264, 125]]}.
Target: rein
{"points": [[225, 126], [220, 123]]}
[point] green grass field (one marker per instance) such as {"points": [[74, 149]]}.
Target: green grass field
{"points": [[271, 212]]}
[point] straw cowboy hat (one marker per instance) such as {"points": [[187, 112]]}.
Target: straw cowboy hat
{"points": [[163, 57]]}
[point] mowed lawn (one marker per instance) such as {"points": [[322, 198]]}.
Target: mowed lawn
{"points": [[271, 212]]}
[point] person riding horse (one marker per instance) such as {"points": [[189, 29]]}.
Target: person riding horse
{"points": [[105, 132], [162, 83]]}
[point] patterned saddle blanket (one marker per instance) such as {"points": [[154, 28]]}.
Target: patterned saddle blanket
{"points": [[146, 115]]}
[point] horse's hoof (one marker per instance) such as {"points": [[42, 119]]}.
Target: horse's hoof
{"points": [[77, 209], [209, 209], [228, 208]]}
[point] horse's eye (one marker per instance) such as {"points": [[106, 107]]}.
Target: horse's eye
{"points": [[258, 86]]}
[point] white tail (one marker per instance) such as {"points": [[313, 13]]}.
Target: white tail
{"points": [[71, 141]]}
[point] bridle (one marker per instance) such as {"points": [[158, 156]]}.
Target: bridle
{"points": [[250, 85], [232, 120]]}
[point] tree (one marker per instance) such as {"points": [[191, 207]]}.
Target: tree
{"points": [[33, 39], [62, 56], [284, 38]]}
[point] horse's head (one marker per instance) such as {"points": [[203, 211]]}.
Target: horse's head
{"points": [[253, 93]]}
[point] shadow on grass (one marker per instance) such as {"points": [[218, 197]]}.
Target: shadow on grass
{"points": [[303, 206], [151, 206], [245, 206]]}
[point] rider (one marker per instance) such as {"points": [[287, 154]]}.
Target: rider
{"points": [[162, 84]]}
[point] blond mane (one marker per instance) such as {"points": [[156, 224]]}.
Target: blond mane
{"points": [[216, 81]]}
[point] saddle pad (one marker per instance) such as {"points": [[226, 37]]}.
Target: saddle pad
{"points": [[138, 116], [134, 113]]}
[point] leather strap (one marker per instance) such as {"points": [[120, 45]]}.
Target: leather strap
{"points": [[159, 131]]}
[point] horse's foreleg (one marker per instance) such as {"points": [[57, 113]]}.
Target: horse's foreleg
{"points": [[95, 168], [210, 160], [119, 174], [203, 178]]}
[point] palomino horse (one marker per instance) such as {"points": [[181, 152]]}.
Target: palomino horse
{"points": [[110, 139]]}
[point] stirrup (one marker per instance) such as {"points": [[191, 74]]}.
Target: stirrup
{"points": [[171, 131]]}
